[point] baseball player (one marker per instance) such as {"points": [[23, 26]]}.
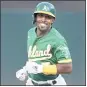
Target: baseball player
{"points": [[48, 53]]}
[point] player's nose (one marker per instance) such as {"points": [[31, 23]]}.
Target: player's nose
{"points": [[43, 18]]}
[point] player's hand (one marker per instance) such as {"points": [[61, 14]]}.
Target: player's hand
{"points": [[21, 74], [33, 67]]}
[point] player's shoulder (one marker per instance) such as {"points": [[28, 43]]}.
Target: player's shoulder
{"points": [[31, 30], [57, 34], [59, 38]]}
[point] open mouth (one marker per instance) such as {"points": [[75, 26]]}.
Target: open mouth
{"points": [[43, 24]]}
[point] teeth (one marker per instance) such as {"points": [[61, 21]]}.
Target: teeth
{"points": [[43, 24]]}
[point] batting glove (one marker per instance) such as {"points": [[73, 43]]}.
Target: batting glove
{"points": [[33, 67], [21, 74]]}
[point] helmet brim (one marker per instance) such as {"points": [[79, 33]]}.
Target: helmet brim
{"points": [[45, 12]]}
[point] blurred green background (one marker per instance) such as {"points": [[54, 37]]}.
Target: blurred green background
{"points": [[15, 23]]}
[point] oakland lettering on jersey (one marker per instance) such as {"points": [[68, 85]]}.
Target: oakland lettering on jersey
{"points": [[33, 52]]}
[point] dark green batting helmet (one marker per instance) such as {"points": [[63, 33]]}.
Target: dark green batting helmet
{"points": [[46, 8]]}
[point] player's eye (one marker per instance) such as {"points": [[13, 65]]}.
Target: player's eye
{"points": [[48, 17], [45, 16], [40, 15]]}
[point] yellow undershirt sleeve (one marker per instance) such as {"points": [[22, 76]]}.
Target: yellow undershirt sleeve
{"points": [[50, 69]]}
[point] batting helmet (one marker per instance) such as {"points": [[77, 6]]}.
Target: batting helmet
{"points": [[46, 8]]}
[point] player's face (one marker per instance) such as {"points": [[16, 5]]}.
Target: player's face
{"points": [[44, 21]]}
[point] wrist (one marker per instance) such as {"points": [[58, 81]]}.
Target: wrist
{"points": [[49, 69]]}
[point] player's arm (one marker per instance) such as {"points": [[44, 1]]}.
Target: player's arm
{"points": [[61, 68]]}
